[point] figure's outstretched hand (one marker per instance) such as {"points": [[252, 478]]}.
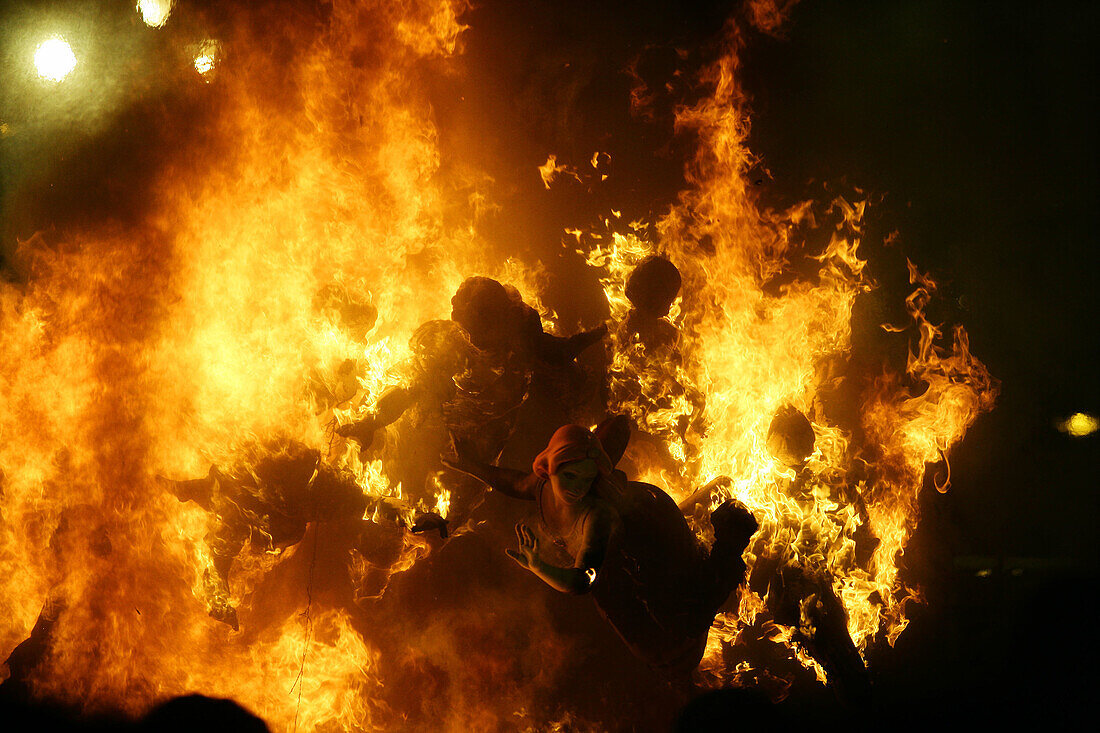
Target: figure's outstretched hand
{"points": [[361, 431], [527, 556], [427, 521], [734, 522], [581, 341]]}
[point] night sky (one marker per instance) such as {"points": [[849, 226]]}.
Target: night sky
{"points": [[978, 122], [973, 125]]}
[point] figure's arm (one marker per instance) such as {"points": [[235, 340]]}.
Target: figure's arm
{"points": [[392, 404], [389, 407], [398, 513], [578, 579], [577, 343], [517, 484], [702, 495], [199, 490], [555, 349]]}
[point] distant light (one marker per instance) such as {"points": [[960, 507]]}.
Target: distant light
{"points": [[1079, 425], [206, 59], [155, 12], [54, 59]]}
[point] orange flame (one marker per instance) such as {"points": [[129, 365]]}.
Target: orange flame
{"points": [[289, 255], [751, 347]]}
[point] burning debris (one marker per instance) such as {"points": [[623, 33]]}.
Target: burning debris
{"points": [[295, 319], [269, 499], [790, 437]]}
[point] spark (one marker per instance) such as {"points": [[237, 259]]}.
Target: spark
{"points": [[54, 59], [1079, 424]]}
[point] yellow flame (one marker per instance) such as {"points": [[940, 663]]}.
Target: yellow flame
{"points": [[283, 269], [1079, 424], [243, 328], [442, 501], [551, 169], [745, 350]]}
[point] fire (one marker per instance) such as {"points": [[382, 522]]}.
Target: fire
{"points": [[272, 291], [342, 690], [551, 169], [747, 348], [131, 355]]}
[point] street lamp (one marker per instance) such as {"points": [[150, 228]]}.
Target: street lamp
{"points": [[54, 59], [155, 12]]}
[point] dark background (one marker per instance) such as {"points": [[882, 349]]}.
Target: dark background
{"points": [[976, 125], [973, 125], [978, 121]]}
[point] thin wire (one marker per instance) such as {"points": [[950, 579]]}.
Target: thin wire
{"points": [[309, 625], [309, 595]]}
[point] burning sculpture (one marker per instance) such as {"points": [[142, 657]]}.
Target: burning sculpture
{"points": [[628, 544], [283, 305], [468, 377]]}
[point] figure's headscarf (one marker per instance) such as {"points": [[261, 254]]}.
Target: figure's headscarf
{"points": [[571, 443]]}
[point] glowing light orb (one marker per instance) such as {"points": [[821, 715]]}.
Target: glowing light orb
{"points": [[54, 59], [206, 59], [1079, 425], [155, 12]]}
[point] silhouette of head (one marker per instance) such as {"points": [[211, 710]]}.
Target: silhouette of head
{"points": [[494, 315], [653, 285]]}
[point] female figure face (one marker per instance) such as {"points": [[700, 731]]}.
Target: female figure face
{"points": [[573, 480]]}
